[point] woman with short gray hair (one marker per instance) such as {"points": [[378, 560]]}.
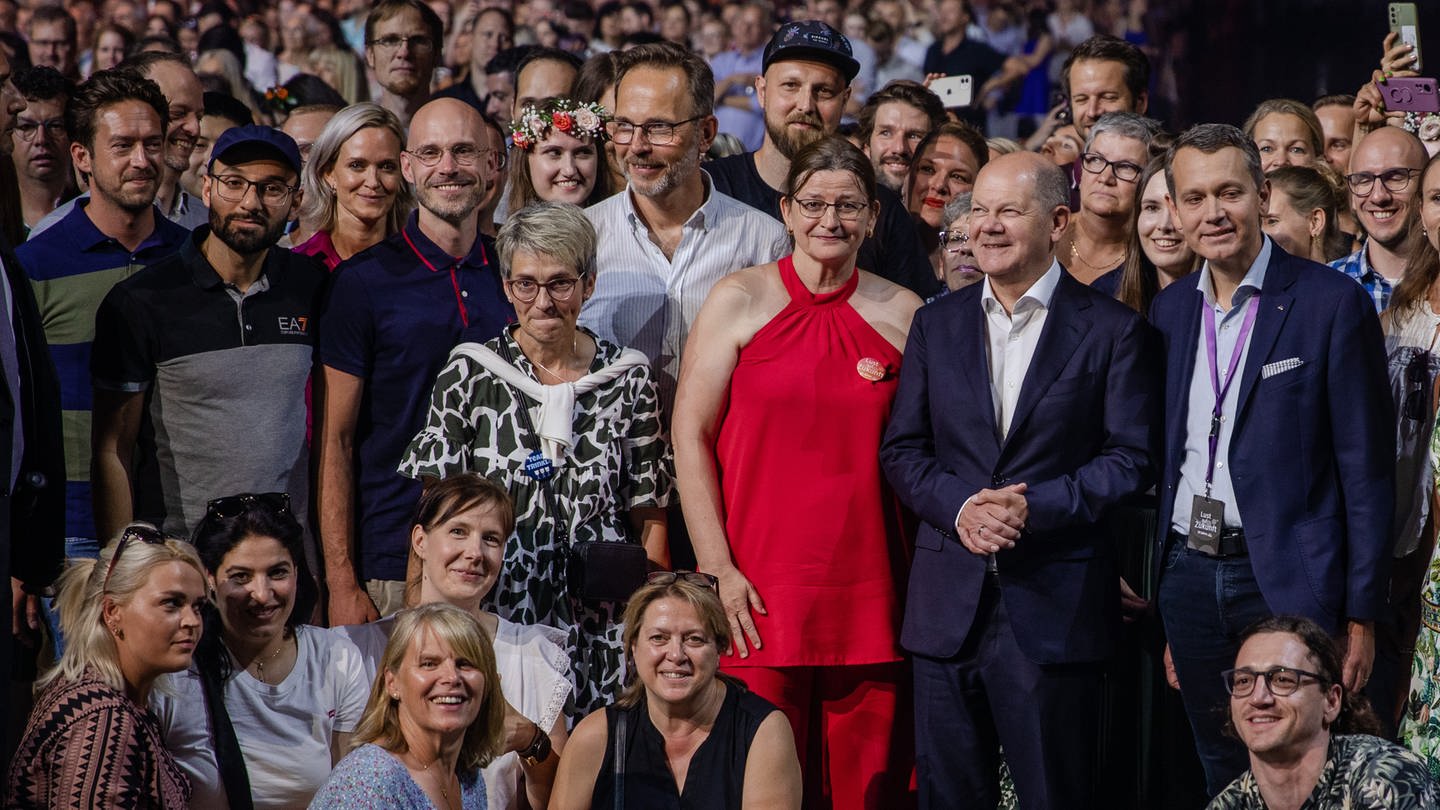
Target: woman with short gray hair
{"points": [[353, 193], [570, 425]]}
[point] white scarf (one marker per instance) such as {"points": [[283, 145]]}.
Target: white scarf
{"points": [[555, 412]]}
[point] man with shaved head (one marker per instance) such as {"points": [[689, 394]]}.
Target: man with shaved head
{"points": [[1384, 183], [395, 312], [1039, 436]]}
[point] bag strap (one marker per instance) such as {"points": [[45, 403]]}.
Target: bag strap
{"points": [[621, 726]]}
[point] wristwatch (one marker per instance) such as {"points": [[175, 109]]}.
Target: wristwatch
{"points": [[539, 748]]}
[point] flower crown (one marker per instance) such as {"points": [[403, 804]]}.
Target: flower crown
{"points": [[585, 120]]}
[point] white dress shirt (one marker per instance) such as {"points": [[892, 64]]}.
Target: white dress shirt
{"points": [[1011, 338]]}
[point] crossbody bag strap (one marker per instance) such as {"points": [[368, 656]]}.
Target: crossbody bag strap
{"points": [[621, 726], [532, 439]]}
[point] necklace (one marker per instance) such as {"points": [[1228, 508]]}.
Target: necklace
{"points": [[1075, 252], [259, 663], [444, 786], [574, 350]]}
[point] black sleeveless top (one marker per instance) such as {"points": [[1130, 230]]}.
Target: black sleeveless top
{"points": [[716, 777]]}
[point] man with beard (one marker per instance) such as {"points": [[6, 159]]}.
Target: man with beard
{"points": [[181, 89], [1384, 180], [200, 360], [402, 48], [670, 236], [803, 90], [117, 122], [892, 123], [42, 159], [395, 312]]}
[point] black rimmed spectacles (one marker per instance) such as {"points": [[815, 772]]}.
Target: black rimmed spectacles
{"points": [[1123, 170], [526, 290], [1394, 180], [233, 188], [1282, 681]]}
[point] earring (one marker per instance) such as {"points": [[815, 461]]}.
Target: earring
{"points": [[119, 633], [395, 696]]}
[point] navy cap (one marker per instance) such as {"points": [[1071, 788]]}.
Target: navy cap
{"points": [[257, 136], [814, 41]]}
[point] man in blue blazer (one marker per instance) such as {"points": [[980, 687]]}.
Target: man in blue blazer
{"points": [[1027, 406], [1276, 491]]}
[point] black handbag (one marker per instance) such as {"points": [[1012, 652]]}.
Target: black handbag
{"points": [[594, 570]]}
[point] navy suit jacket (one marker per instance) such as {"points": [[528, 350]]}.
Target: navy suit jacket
{"points": [[1081, 438], [1312, 453]]}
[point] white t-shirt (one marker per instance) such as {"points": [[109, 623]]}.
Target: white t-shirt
{"points": [[284, 730], [534, 677]]}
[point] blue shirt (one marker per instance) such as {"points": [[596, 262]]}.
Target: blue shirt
{"points": [[392, 320], [1202, 396], [1357, 266], [72, 266]]}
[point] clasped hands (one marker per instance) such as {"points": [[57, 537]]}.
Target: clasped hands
{"points": [[993, 519]]}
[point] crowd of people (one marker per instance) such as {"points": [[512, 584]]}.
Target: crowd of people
{"points": [[540, 404]]}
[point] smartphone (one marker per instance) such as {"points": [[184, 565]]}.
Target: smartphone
{"points": [[1405, 21], [1410, 95], [954, 91]]}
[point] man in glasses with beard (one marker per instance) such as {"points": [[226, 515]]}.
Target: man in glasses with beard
{"points": [[808, 67], [212, 348]]}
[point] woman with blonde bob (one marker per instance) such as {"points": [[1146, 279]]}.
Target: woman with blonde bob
{"points": [[354, 194], [685, 728], [128, 617], [434, 719]]}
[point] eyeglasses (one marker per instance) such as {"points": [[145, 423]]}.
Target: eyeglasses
{"points": [[464, 154], [233, 506], [1417, 384], [419, 43], [234, 188], [1281, 681], [693, 577], [1395, 180], [660, 133], [526, 290], [53, 129], [1124, 170], [845, 209], [144, 534], [954, 240]]}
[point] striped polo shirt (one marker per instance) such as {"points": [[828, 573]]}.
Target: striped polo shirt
{"points": [[71, 267]]}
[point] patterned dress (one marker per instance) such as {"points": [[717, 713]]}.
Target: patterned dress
{"points": [[620, 461], [1420, 727], [88, 745]]}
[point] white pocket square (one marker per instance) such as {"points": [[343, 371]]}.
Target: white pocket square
{"points": [[1280, 367]]}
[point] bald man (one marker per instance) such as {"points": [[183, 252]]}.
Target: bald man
{"points": [[1048, 422], [1384, 182], [395, 312]]}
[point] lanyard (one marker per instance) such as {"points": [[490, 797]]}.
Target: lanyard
{"points": [[1212, 354], [454, 282]]}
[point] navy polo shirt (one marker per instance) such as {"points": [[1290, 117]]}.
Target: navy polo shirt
{"points": [[394, 313]]}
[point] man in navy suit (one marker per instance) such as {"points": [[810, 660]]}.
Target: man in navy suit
{"points": [[1026, 408], [1276, 491]]}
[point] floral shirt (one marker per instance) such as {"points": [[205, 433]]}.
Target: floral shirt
{"points": [[1361, 773], [620, 461]]}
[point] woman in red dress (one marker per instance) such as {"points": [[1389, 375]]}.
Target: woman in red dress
{"points": [[784, 393]]}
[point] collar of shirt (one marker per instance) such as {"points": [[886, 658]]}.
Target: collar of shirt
{"points": [[1253, 282], [1039, 296], [697, 219], [203, 274], [439, 259], [80, 230]]}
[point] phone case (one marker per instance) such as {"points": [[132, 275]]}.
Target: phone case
{"points": [[1405, 21]]}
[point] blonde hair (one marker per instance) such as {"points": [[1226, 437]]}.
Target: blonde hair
{"points": [[319, 205], [462, 633], [81, 602], [708, 608]]}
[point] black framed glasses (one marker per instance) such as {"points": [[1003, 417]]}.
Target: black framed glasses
{"points": [[1417, 384], [954, 240], [139, 533], [233, 188], [1123, 170], [1281, 681], [658, 133], [1394, 180], [693, 577], [526, 290], [419, 43], [464, 154], [233, 506], [846, 210]]}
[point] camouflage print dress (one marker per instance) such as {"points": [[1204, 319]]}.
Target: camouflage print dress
{"points": [[620, 461]]}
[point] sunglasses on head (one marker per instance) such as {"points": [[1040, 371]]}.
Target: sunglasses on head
{"points": [[693, 577], [139, 533], [233, 506]]}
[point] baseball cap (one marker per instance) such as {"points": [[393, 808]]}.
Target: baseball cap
{"points": [[260, 138], [814, 41]]}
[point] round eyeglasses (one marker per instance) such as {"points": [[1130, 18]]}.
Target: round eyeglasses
{"points": [[1282, 681]]}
